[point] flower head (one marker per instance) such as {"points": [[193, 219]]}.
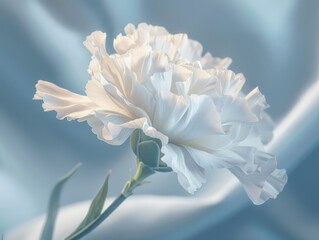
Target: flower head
{"points": [[161, 84]]}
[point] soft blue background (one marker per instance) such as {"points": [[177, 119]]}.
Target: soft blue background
{"points": [[274, 43]]}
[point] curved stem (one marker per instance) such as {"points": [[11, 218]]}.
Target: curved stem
{"points": [[137, 180], [114, 205]]}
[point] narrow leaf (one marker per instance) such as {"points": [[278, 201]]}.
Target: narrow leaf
{"points": [[54, 204], [96, 207]]}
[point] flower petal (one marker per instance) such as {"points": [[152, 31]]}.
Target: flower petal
{"points": [[264, 183], [257, 102], [115, 129], [208, 62], [179, 117], [231, 83], [216, 159], [192, 79], [265, 128], [109, 103], [236, 110], [67, 104], [136, 36], [176, 46], [189, 173], [102, 64]]}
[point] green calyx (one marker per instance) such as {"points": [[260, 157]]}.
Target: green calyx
{"points": [[148, 151]]}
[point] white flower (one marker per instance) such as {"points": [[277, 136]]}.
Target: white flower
{"points": [[161, 84], [176, 47]]}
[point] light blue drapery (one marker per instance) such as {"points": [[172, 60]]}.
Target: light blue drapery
{"points": [[275, 44]]}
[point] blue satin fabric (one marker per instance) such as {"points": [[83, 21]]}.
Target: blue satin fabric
{"points": [[274, 43]]}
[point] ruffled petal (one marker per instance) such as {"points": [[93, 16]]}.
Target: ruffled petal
{"points": [[236, 110], [190, 175], [176, 46], [102, 65], [264, 183], [257, 102], [258, 105], [242, 157], [115, 129], [105, 128], [109, 103], [274, 185], [231, 83], [67, 104], [190, 78], [214, 159], [265, 128], [136, 36], [208, 62], [180, 117]]}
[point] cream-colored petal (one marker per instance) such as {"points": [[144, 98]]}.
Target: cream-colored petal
{"points": [[176, 46], [122, 101], [231, 83], [208, 62], [67, 104], [115, 129], [112, 104], [136, 36], [102, 64]]}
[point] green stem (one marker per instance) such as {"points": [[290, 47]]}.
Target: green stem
{"points": [[137, 180], [117, 202]]}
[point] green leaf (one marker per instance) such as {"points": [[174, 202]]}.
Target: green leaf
{"points": [[149, 153], [96, 207], [54, 204]]}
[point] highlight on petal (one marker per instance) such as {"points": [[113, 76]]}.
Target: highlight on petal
{"points": [[95, 43], [208, 62], [67, 104]]}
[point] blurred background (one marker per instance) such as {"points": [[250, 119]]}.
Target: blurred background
{"points": [[274, 43]]}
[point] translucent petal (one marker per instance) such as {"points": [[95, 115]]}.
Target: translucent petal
{"points": [[267, 182], [67, 104], [179, 117], [189, 173]]}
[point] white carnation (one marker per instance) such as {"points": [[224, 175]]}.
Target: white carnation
{"points": [[160, 83]]}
